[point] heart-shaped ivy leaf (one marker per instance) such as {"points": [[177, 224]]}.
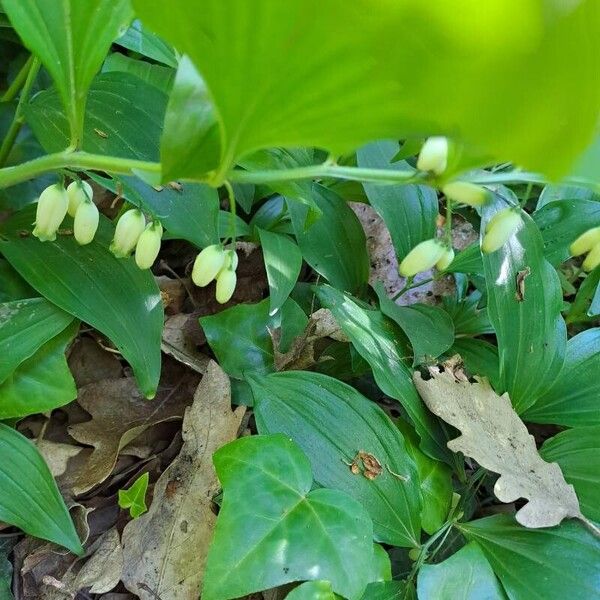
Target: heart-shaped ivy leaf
{"points": [[272, 529]]}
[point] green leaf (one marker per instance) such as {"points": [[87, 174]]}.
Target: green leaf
{"points": [[156, 75], [552, 193], [317, 412], [466, 575], [12, 285], [467, 261], [190, 142], [71, 38], [562, 222], [388, 590], [429, 328], [313, 590], [378, 342], [25, 326], [531, 332], [262, 543], [42, 382], [435, 478], [144, 42], [283, 262], [573, 399], [190, 212], [341, 80], [334, 245], [110, 294], [409, 211], [123, 117], [577, 451], [480, 358], [537, 564], [466, 315], [29, 498], [134, 497], [586, 300], [239, 336], [6, 569]]}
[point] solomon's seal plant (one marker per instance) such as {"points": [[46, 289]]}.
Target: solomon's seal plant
{"points": [[300, 299]]}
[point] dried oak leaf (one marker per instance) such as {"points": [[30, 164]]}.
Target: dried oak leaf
{"points": [[494, 436], [165, 549], [119, 414]]}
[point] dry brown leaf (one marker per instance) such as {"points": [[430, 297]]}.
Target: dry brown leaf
{"points": [[119, 414], [165, 549], [57, 455], [177, 343], [90, 363], [301, 354], [102, 572], [494, 436]]}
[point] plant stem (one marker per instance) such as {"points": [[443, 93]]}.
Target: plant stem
{"points": [[74, 160], [18, 119], [448, 223], [19, 80], [232, 210], [409, 286]]}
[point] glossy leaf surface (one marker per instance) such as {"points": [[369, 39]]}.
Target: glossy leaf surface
{"points": [[261, 544], [316, 412], [111, 294]]}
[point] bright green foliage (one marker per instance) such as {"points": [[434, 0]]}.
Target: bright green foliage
{"points": [[259, 544], [41, 382], [318, 412], [90, 283], [376, 340], [577, 453], [573, 399], [134, 497], [538, 564], [409, 211], [466, 575], [71, 38], [29, 497], [283, 262], [123, 118], [524, 303]]}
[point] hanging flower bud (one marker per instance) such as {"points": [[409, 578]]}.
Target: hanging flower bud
{"points": [[127, 233], [148, 245], [422, 257], [208, 264], [434, 155], [445, 260], [592, 260], [78, 191], [51, 210], [585, 242], [499, 229], [466, 193], [85, 223], [226, 281], [231, 260]]}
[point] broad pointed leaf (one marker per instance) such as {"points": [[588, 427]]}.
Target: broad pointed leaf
{"points": [[262, 543]]}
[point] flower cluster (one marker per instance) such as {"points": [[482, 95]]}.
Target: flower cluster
{"points": [[131, 233], [500, 228], [214, 262], [588, 243], [55, 202]]}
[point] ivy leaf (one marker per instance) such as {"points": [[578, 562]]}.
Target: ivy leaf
{"points": [[71, 38], [466, 575], [262, 543], [537, 564], [494, 436], [134, 497], [316, 412], [144, 42], [29, 498], [313, 590]]}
